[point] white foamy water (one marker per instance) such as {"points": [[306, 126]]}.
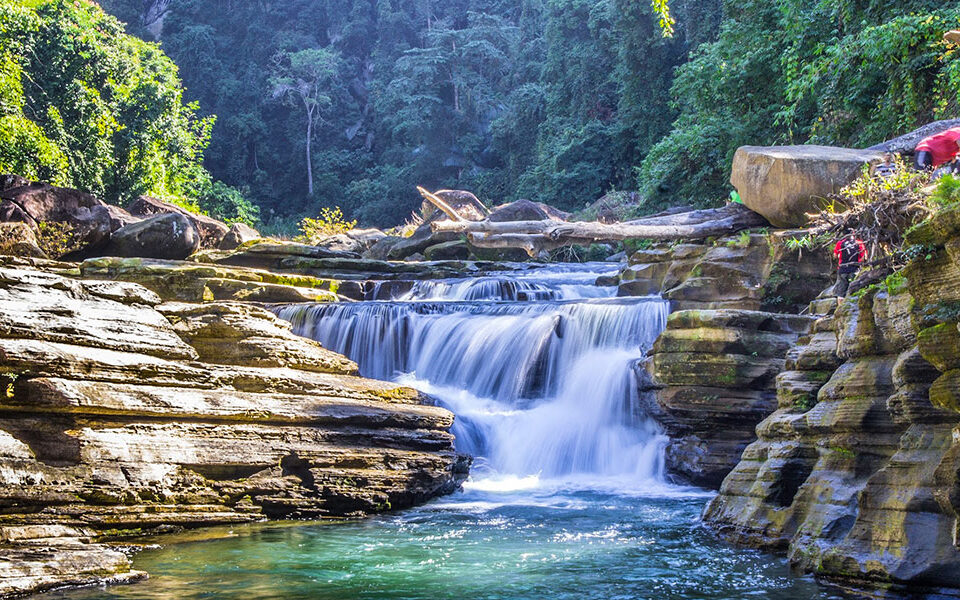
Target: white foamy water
{"points": [[542, 389]]}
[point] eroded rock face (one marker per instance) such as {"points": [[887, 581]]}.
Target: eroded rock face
{"points": [[860, 484], [784, 183], [750, 271], [123, 416], [710, 378], [198, 282]]}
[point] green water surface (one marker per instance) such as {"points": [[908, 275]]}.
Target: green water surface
{"points": [[540, 541]]}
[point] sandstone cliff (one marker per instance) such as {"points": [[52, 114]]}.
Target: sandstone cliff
{"points": [[711, 376], [121, 415], [857, 474]]}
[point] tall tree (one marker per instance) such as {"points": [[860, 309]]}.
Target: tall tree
{"points": [[307, 78]]}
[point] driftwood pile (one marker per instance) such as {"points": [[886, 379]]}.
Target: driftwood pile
{"points": [[536, 237]]}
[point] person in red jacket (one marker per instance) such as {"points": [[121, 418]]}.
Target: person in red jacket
{"points": [[849, 252], [937, 149]]}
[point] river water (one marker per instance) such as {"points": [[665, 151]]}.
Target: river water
{"points": [[567, 497]]}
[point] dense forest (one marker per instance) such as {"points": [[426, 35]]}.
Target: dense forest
{"points": [[304, 104]]}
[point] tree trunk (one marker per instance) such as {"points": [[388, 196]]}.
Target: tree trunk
{"points": [[537, 236], [309, 159]]}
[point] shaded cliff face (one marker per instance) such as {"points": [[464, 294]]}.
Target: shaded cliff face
{"points": [[123, 416], [863, 487], [711, 376]]}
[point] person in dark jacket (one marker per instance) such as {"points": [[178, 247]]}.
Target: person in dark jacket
{"points": [[849, 252]]}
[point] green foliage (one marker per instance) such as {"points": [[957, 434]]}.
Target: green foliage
{"points": [[553, 100], [557, 101], [85, 105], [805, 402], [227, 203], [947, 191], [895, 283], [661, 8], [741, 241], [824, 71], [55, 238], [330, 222]]}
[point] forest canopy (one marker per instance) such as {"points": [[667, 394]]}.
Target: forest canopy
{"points": [[84, 105], [303, 104]]}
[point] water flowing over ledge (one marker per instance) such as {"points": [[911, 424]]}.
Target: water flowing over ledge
{"points": [[540, 388]]}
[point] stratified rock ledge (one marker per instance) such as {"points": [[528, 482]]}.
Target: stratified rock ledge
{"points": [[123, 416]]}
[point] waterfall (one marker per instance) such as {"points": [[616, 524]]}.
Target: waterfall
{"points": [[540, 387]]}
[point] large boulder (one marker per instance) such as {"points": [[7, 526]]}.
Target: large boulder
{"points": [[525, 210], [87, 219], [120, 218], [239, 234], [211, 230], [170, 236], [8, 181], [464, 203], [785, 183]]}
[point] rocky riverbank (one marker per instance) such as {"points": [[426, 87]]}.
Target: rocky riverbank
{"points": [[856, 474], [123, 415]]}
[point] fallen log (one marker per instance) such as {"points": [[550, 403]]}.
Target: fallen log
{"points": [[729, 215], [659, 231], [536, 237]]}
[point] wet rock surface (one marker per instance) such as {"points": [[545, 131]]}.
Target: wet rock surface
{"points": [[122, 416]]}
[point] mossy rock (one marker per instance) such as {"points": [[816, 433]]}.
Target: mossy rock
{"points": [[937, 230], [940, 345]]}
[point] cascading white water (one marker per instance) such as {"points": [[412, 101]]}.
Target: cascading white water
{"points": [[560, 282], [539, 387]]}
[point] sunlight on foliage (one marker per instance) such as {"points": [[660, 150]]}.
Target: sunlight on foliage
{"points": [[55, 238], [879, 211], [330, 222], [947, 191], [661, 8]]}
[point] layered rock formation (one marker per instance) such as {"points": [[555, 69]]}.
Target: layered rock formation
{"points": [[863, 487], [121, 415], [198, 282], [709, 381], [751, 271], [710, 377]]}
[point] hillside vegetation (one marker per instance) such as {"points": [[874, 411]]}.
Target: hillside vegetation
{"points": [[352, 103]]}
